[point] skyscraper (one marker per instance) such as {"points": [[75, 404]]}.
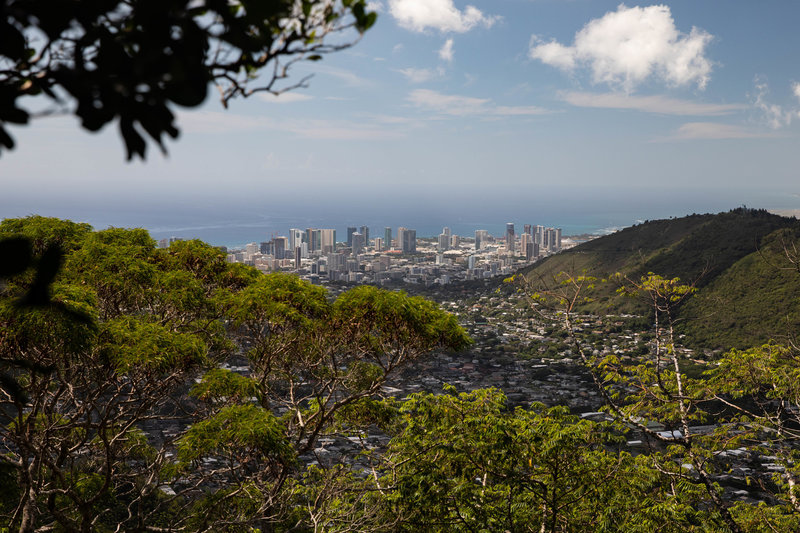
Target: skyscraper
{"points": [[407, 240], [358, 243], [410, 241], [510, 237], [327, 240], [350, 231], [295, 238], [481, 238], [387, 238], [526, 245], [280, 247], [312, 239], [444, 242], [364, 230]]}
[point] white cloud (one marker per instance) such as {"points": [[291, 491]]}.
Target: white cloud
{"points": [[458, 105], [626, 47], [442, 15], [285, 98], [349, 78], [552, 53], [649, 104], [417, 75], [448, 104], [774, 115], [713, 131], [446, 51]]}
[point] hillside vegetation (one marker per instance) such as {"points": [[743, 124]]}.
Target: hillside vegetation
{"points": [[733, 258], [146, 389], [754, 301]]}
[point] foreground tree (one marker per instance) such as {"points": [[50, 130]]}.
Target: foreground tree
{"points": [[466, 462], [106, 436], [694, 428], [131, 60]]}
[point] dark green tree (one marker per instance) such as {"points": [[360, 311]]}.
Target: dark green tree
{"points": [[131, 61], [102, 433]]}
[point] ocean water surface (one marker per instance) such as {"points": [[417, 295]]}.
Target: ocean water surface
{"points": [[238, 222]]}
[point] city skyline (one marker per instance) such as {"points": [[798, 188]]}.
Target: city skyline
{"points": [[441, 260], [324, 240]]}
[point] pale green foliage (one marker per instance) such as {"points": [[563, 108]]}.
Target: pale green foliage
{"points": [[247, 432], [46, 231], [465, 462], [219, 386], [106, 346], [134, 344], [655, 389]]}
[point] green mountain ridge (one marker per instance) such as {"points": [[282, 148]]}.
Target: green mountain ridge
{"points": [[736, 260], [755, 301]]}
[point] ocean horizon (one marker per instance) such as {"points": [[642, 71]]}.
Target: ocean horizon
{"points": [[236, 223]]}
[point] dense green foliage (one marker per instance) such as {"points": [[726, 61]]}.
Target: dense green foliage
{"points": [[98, 432], [754, 301], [167, 390], [733, 258]]}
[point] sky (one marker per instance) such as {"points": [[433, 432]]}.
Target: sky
{"points": [[692, 106]]}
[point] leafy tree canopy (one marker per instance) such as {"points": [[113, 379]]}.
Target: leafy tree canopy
{"points": [[130, 61], [97, 406]]}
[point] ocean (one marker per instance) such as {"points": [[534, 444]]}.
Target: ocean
{"points": [[234, 224]]}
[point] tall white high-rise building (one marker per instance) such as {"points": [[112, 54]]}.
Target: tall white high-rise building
{"points": [[444, 242], [295, 237], [250, 250], [327, 240]]}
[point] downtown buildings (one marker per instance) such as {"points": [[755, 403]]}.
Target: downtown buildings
{"points": [[316, 255]]}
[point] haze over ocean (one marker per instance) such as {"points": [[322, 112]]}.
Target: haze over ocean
{"points": [[235, 222]]}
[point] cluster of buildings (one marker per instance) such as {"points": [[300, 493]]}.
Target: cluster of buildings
{"points": [[399, 257]]}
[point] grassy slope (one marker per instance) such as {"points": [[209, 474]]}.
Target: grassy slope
{"points": [[756, 300], [697, 248]]}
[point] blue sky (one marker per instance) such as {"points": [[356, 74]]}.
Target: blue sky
{"points": [[446, 102]]}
